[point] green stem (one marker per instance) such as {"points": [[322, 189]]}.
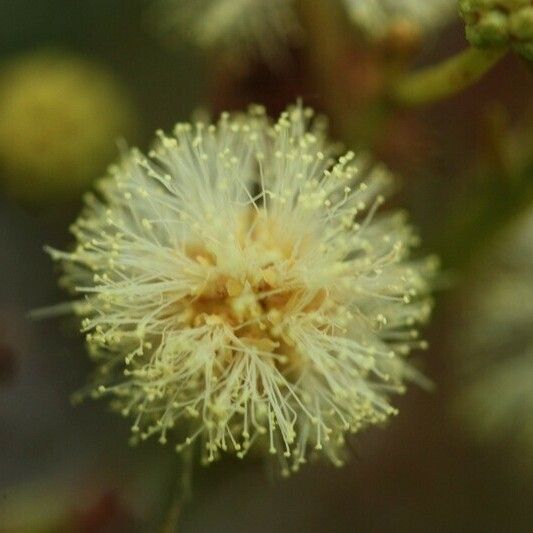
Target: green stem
{"points": [[180, 494], [445, 79]]}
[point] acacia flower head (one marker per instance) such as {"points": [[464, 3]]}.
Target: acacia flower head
{"points": [[242, 27], [239, 288]]}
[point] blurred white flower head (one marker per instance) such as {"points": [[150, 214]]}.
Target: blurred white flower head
{"points": [[497, 401], [244, 28], [240, 288], [376, 17]]}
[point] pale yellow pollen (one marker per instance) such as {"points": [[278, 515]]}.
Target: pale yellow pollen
{"points": [[234, 287]]}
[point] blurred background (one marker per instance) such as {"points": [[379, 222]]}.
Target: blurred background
{"points": [[79, 79]]}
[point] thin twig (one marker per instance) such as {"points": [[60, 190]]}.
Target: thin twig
{"points": [[445, 79]]}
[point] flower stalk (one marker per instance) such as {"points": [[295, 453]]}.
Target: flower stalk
{"points": [[445, 79], [326, 49]]}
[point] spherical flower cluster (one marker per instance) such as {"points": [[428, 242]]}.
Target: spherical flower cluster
{"points": [[492, 23], [378, 17], [59, 119], [240, 287], [497, 402], [243, 28]]}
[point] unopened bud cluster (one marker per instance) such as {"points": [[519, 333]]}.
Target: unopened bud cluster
{"points": [[491, 23]]}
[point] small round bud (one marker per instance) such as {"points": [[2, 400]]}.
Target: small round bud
{"points": [[60, 116], [491, 23]]}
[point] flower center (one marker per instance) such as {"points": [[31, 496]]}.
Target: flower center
{"points": [[256, 306]]}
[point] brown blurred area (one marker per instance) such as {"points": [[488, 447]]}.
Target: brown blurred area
{"points": [[420, 473]]}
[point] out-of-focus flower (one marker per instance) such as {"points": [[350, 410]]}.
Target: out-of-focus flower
{"points": [[238, 283], [60, 116], [379, 17], [492, 23], [498, 399], [243, 28]]}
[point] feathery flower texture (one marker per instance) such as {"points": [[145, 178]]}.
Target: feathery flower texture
{"points": [[239, 285]]}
